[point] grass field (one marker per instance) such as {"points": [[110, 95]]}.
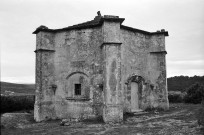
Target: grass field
{"points": [[179, 120], [17, 89]]}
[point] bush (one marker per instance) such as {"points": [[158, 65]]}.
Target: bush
{"points": [[195, 93], [17, 103], [175, 98]]}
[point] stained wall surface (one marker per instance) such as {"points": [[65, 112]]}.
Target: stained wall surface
{"points": [[144, 55], [68, 58], [112, 111], [102, 61]]}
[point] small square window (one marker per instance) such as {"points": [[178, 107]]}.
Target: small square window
{"points": [[77, 89]]}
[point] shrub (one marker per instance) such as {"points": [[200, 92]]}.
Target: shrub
{"points": [[175, 98], [17, 103], [195, 93]]}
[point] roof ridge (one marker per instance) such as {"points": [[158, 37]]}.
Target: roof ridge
{"points": [[97, 21]]}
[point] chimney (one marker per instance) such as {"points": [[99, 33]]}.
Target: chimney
{"points": [[162, 30], [98, 17]]}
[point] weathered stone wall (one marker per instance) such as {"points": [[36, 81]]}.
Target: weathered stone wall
{"points": [[44, 108], [113, 111], [104, 60], [76, 58], [157, 73], [143, 55]]}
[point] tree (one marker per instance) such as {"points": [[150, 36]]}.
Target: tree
{"points": [[181, 83], [195, 94]]}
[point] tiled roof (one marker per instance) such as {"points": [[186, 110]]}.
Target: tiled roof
{"points": [[97, 21], [145, 32], [89, 24]]}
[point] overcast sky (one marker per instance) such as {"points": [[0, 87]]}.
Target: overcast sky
{"points": [[183, 19]]}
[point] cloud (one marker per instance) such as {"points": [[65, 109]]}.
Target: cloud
{"points": [[185, 67], [184, 19], [187, 62]]}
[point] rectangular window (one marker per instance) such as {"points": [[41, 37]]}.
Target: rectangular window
{"points": [[77, 89]]}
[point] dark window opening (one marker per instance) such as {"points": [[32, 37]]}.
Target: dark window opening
{"points": [[77, 89]]}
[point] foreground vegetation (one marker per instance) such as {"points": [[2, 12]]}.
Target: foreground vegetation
{"points": [[194, 94], [179, 119], [17, 103]]}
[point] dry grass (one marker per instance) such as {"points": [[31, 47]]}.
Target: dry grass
{"points": [[179, 120]]}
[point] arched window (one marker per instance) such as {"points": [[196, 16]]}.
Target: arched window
{"points": [[78, 86]]}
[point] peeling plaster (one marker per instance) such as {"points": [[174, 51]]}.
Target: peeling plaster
{"points": [[104, 60]]}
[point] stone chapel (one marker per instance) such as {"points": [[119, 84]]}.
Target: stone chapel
{"points": [[99, 68]]}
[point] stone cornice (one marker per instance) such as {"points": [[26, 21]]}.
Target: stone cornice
{"points": [[44, 50], [165, 52], [110, 43]]}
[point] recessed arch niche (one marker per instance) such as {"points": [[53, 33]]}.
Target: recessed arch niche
{"points": [[78, 85]]}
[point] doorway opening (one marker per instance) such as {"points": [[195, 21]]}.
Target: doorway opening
{"points": [[134, 97], [134, 92]]}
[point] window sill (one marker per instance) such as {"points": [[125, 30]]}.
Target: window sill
{"points": [[78, 98]]}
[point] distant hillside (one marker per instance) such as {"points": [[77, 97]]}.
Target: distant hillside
{"points": [[181, 83], [17, 88], [177, 83]]}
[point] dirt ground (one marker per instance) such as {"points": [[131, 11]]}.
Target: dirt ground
{"points": [[179, 120]]}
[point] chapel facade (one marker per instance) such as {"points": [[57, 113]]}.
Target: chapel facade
{"points": [[99, 68]]}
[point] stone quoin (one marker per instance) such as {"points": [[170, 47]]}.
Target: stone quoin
{"points": [[99, 68]]}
